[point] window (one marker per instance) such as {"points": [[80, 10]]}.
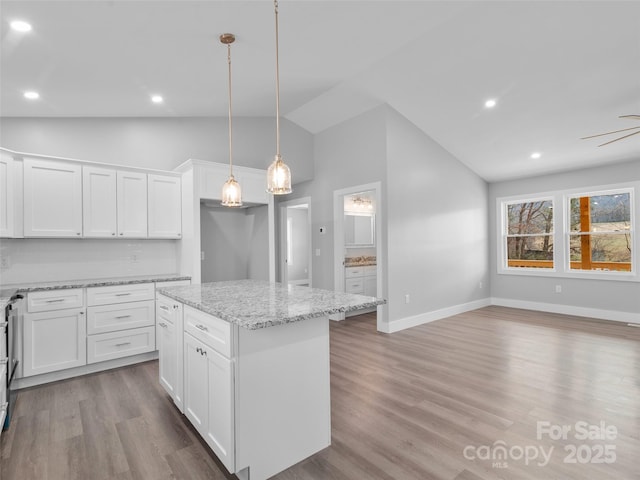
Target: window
{"points": [[529, 234], [600, 231], [587, 233]]}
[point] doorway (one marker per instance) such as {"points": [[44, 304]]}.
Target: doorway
{"points": [[295, 243], [358, 220]]}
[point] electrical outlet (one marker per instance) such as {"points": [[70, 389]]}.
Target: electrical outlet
{"points": [[407, 298], [134, 258], [558, 288], [480, 285], [317, 252], [5, 262], [201, 256]]}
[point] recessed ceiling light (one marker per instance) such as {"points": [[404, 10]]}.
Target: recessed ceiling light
{"points": [[20, 26], [490, 103], [536, 155], [31, 95], [157, 99]]}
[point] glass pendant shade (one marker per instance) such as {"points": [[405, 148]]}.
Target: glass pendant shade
{"points": [[278, 177], [231, 193]]}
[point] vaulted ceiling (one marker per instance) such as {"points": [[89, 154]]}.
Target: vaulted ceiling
{"points": [[557, 70]]}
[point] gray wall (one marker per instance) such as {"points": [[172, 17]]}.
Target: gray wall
{"points": [[437, 225], [235, 243], [610, 295], [161, 143]]}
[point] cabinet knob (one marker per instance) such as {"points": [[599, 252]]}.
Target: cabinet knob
{"points": [[121, 234], [113, 233], [78, 233]]}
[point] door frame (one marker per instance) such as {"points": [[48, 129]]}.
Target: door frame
{"points": [[338, 242], [283, 236]]}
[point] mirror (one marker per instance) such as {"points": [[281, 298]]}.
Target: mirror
{"points": [[359, 230]]}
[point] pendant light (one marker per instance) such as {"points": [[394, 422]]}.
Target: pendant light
{"points": [[231, 191], [278, 174]]}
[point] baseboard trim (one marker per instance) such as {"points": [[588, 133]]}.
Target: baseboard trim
{"points": [[26, 382], [427, 317], [613, 315]]}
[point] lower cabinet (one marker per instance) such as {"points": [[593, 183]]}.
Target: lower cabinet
{"points": [[208, 397], [118, 344], [54, 340], [169, 342]]}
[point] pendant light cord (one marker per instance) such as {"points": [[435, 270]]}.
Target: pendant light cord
{"points": [[275, 4], [230, 116]]}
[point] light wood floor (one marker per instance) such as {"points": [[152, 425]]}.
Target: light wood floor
{"points": [[404, 406]]}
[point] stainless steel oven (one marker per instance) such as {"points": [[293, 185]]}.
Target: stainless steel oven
{"points": [[8, 359]]}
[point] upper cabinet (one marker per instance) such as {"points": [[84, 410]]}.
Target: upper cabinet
{"points": [[164, 206], [98, 202], [6, 195], [132, 204], [52, 198]]}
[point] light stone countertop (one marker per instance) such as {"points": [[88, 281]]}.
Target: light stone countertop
{"points": [[255, 304], [90, 282]]}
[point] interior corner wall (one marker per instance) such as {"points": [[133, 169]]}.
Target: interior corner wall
{"points": [[161, 143], [437, 243], [349, 154], [603, 297]]}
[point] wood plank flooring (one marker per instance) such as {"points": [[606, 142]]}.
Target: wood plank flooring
{"points": [[426, 403]]}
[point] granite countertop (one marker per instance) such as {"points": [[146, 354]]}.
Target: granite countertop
{"points": [[255, 304], [362, 261], [84, 283]]}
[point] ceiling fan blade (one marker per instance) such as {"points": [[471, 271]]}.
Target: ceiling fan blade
{"points": [[609, 133], [636, 117], [615, 140]]}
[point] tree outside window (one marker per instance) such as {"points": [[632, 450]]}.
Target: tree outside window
{"points": [[529, 234]]}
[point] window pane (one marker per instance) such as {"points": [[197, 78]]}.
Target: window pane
{"points": [[530, 252], [607, 213], [608, 252], [530, 217]]}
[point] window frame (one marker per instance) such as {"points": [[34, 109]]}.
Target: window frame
{"points": [[561, 200]]}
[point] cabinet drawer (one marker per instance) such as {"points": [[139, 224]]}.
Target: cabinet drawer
{"points": [[49, 300], [166, 308], [109, 318], [107, 346], [354, 285], [352, 272], [210, 330], [120, 293]]}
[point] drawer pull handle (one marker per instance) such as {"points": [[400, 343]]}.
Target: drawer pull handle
{"points": [[202, 327], [122, 344], [122, 294], [56, 300], [199, 350], [123, 316], [164, 307]]}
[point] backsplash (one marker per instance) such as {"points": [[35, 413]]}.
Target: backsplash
{"points": [[50, 259], [359, 261]]}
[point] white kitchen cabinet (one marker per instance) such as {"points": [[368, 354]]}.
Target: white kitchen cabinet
{"points": [[121, 343], [52, 198], [208, 397], [54, 340], [99, 202], [131, 188], [361, 280], [6, 195], [169, 339], [164, 198]]}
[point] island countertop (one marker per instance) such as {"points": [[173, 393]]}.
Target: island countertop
{"points": [[255, 304]]}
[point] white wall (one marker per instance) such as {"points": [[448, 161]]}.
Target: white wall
{"points": [[606, 299], [42, 260], [161, 143], [437, 227]]}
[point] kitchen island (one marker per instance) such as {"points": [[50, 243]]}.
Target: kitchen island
{"points": [[247, 362]]}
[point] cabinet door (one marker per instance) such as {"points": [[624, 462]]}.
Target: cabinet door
{"points": [[220, 428], [165, 206], [99, 202], [6, 195], [371, 286], [196, 390], [166, 340], [132, 204], [54, 341], [52, 199]]}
